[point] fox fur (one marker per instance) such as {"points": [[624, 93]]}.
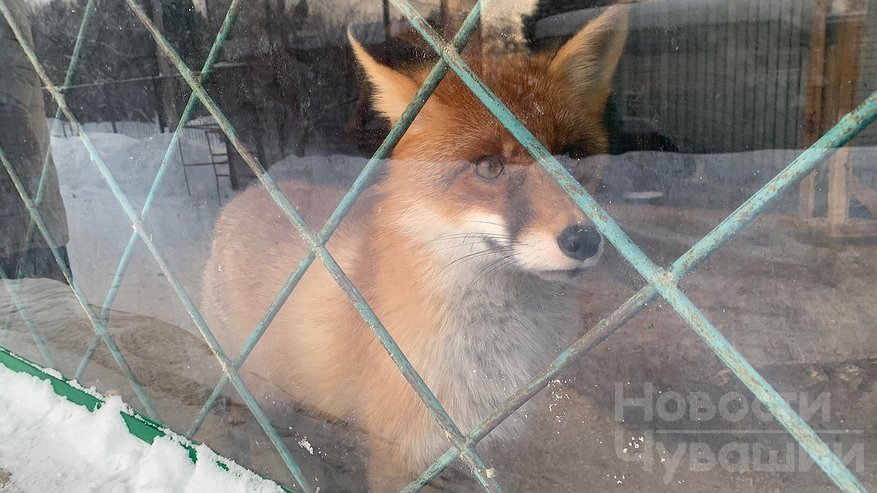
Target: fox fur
{"points": [[464, 268]]}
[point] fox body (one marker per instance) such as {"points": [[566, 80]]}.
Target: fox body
{"points": [[466, 249]]}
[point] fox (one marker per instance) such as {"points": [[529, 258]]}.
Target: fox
{"points": [[466, 249]]}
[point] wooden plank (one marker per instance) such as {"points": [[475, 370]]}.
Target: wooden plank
{"points": [[838, 193], [843, 73], [838, 165], [803, 52], [858, 229], [849, 41], [816, 72], [813, 106]]}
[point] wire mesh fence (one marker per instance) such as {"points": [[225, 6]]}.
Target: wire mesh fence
{"points": [[661, 282]]}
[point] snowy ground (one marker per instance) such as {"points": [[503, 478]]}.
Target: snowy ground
{"points": [[181, 223], [48, 444]]}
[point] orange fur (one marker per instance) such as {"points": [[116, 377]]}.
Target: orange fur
{"points": [[419, 246]]}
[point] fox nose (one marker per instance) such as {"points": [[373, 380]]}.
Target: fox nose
{"points": [[579, 242]]}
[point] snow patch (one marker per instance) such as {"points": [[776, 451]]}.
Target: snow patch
{"points": [[49, 444]]}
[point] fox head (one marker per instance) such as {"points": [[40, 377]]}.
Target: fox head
{"points": [[459, 184]]}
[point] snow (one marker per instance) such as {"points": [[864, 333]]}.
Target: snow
{"points": [[50, 444], [181, 223], [305, 444]]}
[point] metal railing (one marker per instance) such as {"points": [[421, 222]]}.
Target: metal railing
{"points": [[660, 282]]}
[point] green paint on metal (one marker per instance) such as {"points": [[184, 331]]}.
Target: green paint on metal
{"points": [[73, 394], [141, 427], [660, 281]]}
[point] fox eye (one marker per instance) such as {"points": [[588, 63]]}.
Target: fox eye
{"points": [[488, 167], [575, 151]]}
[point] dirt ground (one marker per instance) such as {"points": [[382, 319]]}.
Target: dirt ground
{"points": [[799, 306]]}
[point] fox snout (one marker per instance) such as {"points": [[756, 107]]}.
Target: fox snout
{"points": [[580, 242], [559, 255]]}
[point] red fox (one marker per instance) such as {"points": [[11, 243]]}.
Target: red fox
{"points": [[466, 249]]}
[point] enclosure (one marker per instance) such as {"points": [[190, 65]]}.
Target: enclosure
{"points": [[726, 338]]}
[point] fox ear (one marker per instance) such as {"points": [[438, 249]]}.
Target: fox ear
{"points": [[393, 91], [586, 63]]}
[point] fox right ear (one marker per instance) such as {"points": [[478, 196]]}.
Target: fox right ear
{"points": [[393, 91], [587, 62]]}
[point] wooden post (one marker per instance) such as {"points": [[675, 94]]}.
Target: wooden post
{"points": [[831, 92], [843, 76], [813, 107], [838, 194]]}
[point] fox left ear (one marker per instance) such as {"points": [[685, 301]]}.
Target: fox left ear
{"points": [[587, 62], [393, 90]]}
